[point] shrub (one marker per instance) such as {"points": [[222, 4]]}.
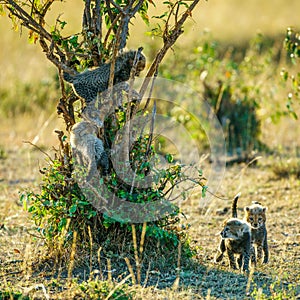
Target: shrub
{"points": [[61, 208], [292, 46]]}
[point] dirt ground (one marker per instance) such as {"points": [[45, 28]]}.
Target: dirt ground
{"points": [[202, 279]]}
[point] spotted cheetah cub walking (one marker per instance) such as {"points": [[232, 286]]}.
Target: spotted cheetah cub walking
{"points": [[235, 240], [255, 216]]}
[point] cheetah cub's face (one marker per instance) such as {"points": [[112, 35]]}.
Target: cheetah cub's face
{"points": [[255, 215], [140, 66], [234, 229]]}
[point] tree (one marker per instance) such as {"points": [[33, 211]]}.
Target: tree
{"points": [[62, 208]]}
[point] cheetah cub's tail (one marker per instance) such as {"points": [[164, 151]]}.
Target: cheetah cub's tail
{"points": [[234, 205]]}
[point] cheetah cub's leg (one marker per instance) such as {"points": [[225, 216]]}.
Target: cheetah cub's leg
{"points": [[253, 255], [266, 251], [231, 259], [240, 261], [246, 258], [220, 254]]}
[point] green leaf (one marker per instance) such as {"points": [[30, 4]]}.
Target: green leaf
{"points": [[23, 200], [91, 214], [204, 189], [33, 37], [284, 74], [72, 209], [169, 158], [145, 18], [62, 24], [62, 223]]}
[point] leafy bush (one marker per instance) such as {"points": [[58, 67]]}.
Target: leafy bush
{"points": [[61, 208], [292, 46]]}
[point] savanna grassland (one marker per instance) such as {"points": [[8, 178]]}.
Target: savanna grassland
{"points": [[220, 43]]}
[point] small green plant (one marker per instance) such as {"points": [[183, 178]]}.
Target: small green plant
{"points": [[60, 208], [3, 153], [94, 289], [11, 293], [276, 291]]}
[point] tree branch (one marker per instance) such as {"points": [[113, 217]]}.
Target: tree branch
{"points": [[97, 17], [169, 40], [86, 20], [21, 14], [111, 15], [129, 12]]}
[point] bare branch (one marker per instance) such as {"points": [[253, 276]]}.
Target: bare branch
{"points": [[97, 17], [137, 7], [131, 111], [124, 33], [150, 92], [151, 131], [117, 6], [86, 20], [111, 15], [169, 40], [129, 12], [113, 61], [37, 147], [112, 26], [46, 7], [21, 14]]}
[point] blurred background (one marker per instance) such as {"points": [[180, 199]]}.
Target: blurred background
{"points": [[232, 21], [234, 46]]}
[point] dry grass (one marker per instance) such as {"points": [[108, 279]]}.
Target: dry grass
{"points": [[21, 251]]}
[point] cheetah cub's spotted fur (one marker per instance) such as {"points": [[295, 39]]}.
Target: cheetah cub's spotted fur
{"points": [[235, 240], [88, 84], [255, 216], [88, 149]]}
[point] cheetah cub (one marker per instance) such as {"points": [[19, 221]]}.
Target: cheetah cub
{"points": [[255, 216], [235, 240], [88, 84], [88, 149]]}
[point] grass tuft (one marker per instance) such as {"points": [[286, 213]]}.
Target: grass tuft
{"points": [[286, 168]]}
